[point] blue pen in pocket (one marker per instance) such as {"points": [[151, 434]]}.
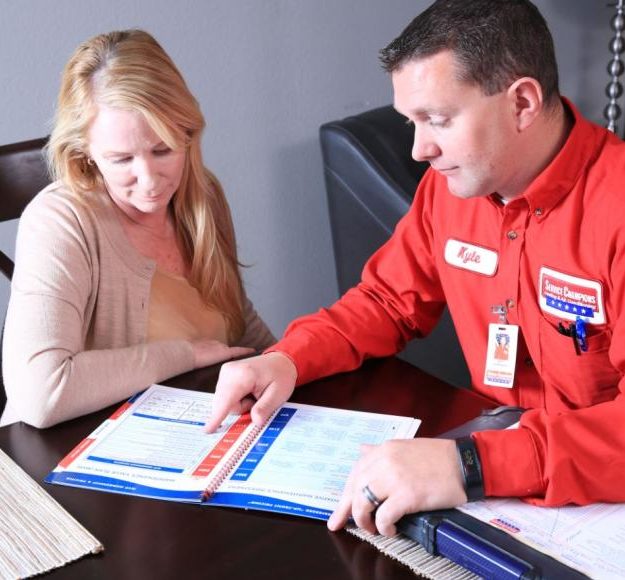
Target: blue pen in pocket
{"points": [[580, 334]]}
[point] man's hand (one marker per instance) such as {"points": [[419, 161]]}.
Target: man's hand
{"points": [[261, 383], [406, 476]]}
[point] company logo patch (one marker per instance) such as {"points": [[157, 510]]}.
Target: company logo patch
{"points": [[471, 257], [568, 297]]}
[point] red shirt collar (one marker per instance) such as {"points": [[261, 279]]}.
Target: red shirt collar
{"points": [[558, 178]]}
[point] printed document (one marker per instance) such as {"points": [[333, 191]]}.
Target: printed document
{"points": [[590, 538], [297, 463]]}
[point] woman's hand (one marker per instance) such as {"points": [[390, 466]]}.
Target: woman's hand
{"points": [[209, 352]]}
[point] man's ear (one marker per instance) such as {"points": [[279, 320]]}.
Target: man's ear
{"points": [[526, 98]]}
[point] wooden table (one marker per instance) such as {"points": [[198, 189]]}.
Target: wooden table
{"points": [[155, 539]]}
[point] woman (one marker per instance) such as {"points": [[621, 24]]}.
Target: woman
{"points": [[126, 266]]}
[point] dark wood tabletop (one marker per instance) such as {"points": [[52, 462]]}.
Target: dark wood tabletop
{"points": [[145, 538]]}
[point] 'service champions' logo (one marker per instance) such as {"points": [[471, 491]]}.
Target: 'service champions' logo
{"points": [[568, 297]]}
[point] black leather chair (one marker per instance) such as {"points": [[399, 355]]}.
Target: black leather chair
{"points": [[23, 174], [370, 182]]}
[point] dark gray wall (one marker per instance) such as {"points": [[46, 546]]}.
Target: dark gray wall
{"points": [[267, 74]]}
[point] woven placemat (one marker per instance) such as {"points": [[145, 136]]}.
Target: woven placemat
{"points": [[413, 555], [36, 533]]}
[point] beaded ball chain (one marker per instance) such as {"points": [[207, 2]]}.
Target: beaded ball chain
{"points": [[615, 68]]}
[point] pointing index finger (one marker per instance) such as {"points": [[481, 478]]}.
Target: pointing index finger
{"points": [[226, 401], [215, 420]]}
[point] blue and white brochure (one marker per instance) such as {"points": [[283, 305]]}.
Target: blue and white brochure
{"points": [[297, 463]]}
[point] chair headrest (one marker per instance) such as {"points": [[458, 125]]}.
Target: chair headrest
{"points": [[382, 140]]}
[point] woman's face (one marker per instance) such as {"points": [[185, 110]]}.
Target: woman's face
{"points": [[141, 172]]}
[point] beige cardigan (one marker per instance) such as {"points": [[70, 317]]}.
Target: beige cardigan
{"points": [[74, 339]]}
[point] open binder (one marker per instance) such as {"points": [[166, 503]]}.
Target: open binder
{"points": [[154, 446]]}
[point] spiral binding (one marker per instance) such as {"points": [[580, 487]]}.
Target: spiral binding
{"points": [[229, 465]]}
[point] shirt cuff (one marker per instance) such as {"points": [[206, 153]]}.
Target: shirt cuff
{"points": [[296, 350], [168, 358], [510, 463]]}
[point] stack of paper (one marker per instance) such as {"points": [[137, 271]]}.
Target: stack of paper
{"points": [[589, 538]]}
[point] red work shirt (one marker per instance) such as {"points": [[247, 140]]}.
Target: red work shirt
{"points": [[553, 253]]}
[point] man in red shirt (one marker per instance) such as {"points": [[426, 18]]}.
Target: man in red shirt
{"points": [[519, 227]]}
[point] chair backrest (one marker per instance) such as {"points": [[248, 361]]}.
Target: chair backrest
{"points": [[370, 182], [23, 174]]}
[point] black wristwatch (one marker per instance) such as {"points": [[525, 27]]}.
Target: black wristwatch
{"points": [[471, 468]]}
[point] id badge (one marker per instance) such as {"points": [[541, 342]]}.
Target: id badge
{"points": [[503, 340]]}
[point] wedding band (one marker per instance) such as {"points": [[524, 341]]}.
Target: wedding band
{"points": [[371, 497]]}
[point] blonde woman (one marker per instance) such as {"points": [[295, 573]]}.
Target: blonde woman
{"points": [[126, 266]]}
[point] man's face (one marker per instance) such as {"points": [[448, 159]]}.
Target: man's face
{"points": [[466, 136]]}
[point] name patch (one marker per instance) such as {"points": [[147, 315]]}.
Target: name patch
{"points": [[471, 257], [568, 297]]}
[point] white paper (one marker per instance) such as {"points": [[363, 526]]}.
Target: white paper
{"points": [[154, 447], [305, 468], [590, 538]]}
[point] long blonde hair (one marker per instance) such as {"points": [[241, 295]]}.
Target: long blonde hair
{"points": [[130, 70]]}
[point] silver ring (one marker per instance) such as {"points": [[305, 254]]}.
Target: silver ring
{"points": [[371, 497]]}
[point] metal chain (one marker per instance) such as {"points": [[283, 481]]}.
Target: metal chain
{"points": [[615, 67]]}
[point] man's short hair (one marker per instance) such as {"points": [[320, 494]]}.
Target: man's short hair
{"points": [[494, 43]]}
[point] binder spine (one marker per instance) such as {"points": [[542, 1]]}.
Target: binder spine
{"points": [[232, 461], [478, 555]]}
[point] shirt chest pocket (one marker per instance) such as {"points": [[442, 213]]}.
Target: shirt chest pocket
{"points": [[572, 380]]}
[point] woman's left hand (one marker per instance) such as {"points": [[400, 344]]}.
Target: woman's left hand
{"points": [[209, 352]]}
